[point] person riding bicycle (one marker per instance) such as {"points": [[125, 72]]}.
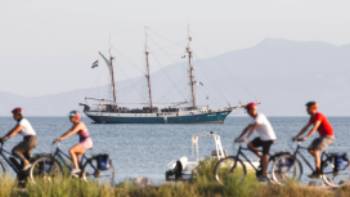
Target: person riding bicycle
{"points": [[266, 137], [85, 142], [326, 137], [24, 148]]}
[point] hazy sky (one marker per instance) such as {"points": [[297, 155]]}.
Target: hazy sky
{"points": [[47, 46]]}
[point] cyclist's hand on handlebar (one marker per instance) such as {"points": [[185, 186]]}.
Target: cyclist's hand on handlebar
{"points": [[302, 139], [299, 139], [3, 140], [55, 141], [238, 140]]}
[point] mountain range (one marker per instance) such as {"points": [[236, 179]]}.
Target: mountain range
{"points": [[281, 74]]}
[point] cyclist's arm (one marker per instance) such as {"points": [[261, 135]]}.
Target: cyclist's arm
{"points": [[314, 128], [252, 129], [75, 129], [13, 132], [303, 130], [247, 131]]}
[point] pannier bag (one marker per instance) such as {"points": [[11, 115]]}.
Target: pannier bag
{"points": [[341, 161], [103, 162]]}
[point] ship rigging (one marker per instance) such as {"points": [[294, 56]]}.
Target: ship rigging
{"points": [[109, 111]]}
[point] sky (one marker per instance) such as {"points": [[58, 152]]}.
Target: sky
{"points": [[47, 47]]}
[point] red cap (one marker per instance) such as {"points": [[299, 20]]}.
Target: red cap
{"points": [[250, 105], [17, 110]]}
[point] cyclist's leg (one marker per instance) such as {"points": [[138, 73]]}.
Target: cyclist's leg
{"points": [[316, 148], [313, 150], [19, 151], [254, 146], [32, 143], [75, 152], [266, 155]]}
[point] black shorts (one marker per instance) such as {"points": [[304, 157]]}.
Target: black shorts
{"points": [[266, 145]]}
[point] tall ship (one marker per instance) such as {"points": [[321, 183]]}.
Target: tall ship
{"points": [[109, 111]]}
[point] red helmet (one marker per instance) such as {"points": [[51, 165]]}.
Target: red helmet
{"points": [[17, 110], [250, 106]]}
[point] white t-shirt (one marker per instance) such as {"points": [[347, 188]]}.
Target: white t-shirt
{"points": [[264, 128], [27, 128]]}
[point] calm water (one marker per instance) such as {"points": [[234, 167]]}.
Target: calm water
{"points": [[145, 150]]}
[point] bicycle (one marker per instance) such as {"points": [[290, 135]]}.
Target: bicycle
{"points": [[58, 164], [13, 163], [234, 166], [288, 166]]}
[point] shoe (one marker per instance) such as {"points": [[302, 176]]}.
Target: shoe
{"points": [[75, 172], [259, 172], [315, 175], [26, 167], [263, 178]]}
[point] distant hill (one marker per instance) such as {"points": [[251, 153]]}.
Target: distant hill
{"points": [[282, 74]]}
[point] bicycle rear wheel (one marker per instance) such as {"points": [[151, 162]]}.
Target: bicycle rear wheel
{"points": [[335, 178], [2, 169], [229, 167], [90, 171], [286, 167], [45, 168]]}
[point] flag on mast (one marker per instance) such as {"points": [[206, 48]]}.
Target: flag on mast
{"points": [[94, 64]]}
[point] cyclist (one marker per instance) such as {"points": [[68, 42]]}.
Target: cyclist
{"points": [[24, 148], [320, 123], [85, 141], [266, 137]]}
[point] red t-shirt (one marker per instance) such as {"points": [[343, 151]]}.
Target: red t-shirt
{"points": [[325, 128]]}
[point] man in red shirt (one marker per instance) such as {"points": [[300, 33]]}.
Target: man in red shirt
{"points": [[319, 123]]}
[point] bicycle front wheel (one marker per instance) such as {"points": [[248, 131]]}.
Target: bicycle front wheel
{"points": [[91, 171], [229, 167], [286, 167], [335, 177], [45, 168]]}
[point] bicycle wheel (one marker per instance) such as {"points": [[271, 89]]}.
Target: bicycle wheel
{"points": [[45, 168], [229, 167], [90, 171], [286, 167], [333, 177], [2, 169]]}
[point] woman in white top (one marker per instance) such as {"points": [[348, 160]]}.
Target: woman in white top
{"points": [[24, 148]]}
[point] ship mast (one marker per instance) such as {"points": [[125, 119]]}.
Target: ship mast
{"points": [[191, 69], [148, 74], [109, 62]]}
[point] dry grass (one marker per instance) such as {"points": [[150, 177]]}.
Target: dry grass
{"points": [[202, 185]]}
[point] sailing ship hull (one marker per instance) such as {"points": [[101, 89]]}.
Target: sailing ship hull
{"points": [[120, 118]]}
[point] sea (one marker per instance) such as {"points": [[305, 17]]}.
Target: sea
{"points": [[146, 150]]}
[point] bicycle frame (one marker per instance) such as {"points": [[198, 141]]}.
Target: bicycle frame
{"points": [[240, 152], [63, 157], [6, 157], [297, 153]]}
